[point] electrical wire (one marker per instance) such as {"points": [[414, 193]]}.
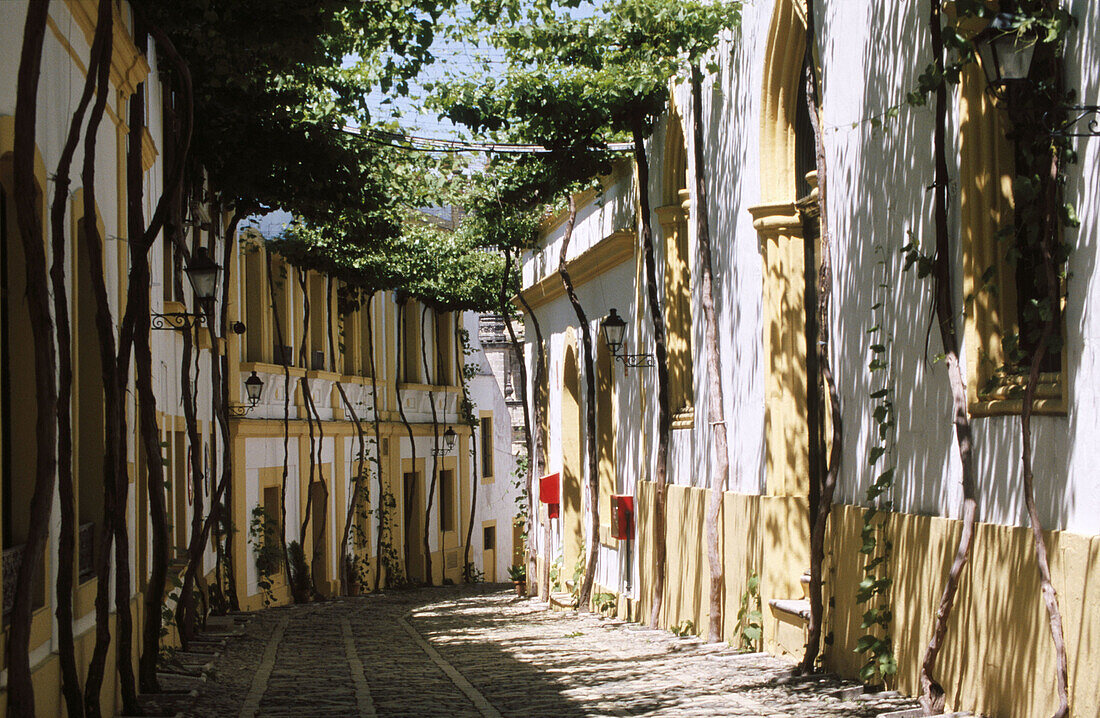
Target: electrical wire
{"points": [[428, 144]]}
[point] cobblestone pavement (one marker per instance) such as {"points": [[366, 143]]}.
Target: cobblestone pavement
{"points": [[481, 651]]}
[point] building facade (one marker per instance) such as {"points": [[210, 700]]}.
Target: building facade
{"points": [[759, 163], [293, 454]]}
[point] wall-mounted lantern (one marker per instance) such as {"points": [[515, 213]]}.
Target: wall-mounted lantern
{"points": [[449, 438], [202, 272], [1006, 53], [614, 329], [253, 389]]}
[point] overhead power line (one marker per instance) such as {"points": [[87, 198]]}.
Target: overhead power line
{"points": [[430, 144]]}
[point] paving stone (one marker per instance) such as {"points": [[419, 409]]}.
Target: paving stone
{"points": [[481, 651]]}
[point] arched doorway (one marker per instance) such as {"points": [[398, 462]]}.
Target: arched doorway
{"points": [[787, 316], [786, 151]]}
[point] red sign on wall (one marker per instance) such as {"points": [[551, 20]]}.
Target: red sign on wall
{"points": [[550, 489], [622, 516]]}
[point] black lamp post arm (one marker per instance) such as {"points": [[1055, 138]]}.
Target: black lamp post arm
{"points": [[1087, 114]]}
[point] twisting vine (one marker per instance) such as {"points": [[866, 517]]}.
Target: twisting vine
{"points": [[874, 588]]}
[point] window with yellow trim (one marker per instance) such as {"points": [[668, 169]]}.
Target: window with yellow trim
{"points": [[446, 500], [673, 217], [410, 341], [486, 447], [444, 353], [999, 284]]}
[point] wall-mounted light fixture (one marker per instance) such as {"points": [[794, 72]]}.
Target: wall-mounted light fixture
{"points": [[253, 389], [614, 328], [449, 438], [202, 272], [1006, 53]]}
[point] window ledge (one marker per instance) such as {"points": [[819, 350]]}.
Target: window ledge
{"points": [[448, 388], [684, 418], [266, 368], [1015, 407], [1006, 398]]}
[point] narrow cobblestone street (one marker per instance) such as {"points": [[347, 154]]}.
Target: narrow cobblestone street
{"points": [[481, 651]]}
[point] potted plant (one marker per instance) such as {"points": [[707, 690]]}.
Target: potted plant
{"points": [[518, 573]]}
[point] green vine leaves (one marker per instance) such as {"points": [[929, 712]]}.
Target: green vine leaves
{"points": [[274, 80], [263, 535], [876, 548], [573, 82]]}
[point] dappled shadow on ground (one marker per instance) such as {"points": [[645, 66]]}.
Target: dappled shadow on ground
{"points": [[487, 647]]}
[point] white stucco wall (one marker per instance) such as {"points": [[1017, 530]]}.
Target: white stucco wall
{"points": [[871, 53], [496, 500]]}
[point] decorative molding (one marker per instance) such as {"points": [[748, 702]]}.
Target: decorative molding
{"points": [[773, 221], [684, 418], [782, 74], [609, 252], [1006, 397], [129, 67], [148, 150], [669, 215]]}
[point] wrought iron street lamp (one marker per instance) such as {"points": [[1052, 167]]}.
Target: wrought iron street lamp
{"points": [[1006, 53], [614, 328], [253, 389], [449, 438], [202, 272]]}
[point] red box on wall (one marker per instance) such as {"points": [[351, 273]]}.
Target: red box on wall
{"points": [[550, 489], [622, 516]]}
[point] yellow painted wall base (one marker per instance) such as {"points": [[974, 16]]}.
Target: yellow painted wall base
{"points": [[998, 659], [46, 675]]}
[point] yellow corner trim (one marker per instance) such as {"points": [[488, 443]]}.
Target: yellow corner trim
{"points": [[609, 252]]}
